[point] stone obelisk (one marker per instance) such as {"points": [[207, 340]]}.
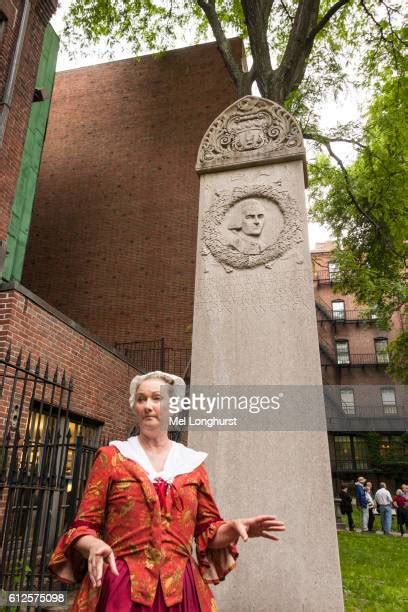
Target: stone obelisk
{"points": [[254, 324]]}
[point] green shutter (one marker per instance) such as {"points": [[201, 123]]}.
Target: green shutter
{"points": [[30, 164]]}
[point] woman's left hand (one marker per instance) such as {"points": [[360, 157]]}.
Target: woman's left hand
{"points": [[258, 526]]}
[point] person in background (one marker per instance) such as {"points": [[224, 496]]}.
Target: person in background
{"points": [[346, 506], [361, 502], [371, 505], [400, 502], [383, 500]]}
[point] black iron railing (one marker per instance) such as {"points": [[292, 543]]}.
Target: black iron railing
{"points": [[369, 411], [353, 359], [355, 315], [324, 277], [154, 355], [45, 458]]}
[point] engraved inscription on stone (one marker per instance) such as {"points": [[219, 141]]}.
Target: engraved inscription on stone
{"points": [[250, 226], [256, 296]]}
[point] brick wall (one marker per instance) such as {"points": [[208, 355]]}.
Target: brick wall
{"points": [[100, 377], [113, 235], [360, 335], [14, 137]]}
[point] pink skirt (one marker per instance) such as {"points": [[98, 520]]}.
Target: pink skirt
{"points": [[115, 593]]}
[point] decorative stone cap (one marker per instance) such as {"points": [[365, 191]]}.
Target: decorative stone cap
{"points": [[252, 131]]}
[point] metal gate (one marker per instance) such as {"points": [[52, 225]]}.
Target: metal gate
{"points": [[45, 457], [154, 355]]}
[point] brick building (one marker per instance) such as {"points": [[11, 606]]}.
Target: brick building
{"points": [[149, 160], [367, 412], [117, 201], [24, 44], [28, 53]]}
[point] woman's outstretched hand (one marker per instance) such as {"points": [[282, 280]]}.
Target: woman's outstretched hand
{"points": [[260, 526]]}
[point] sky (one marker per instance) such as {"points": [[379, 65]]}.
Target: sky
{"points": [[348, 107]]}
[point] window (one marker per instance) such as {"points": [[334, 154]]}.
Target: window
{"points": [[343, 453], [385, 446], [388, 401], [333, 271], [47, 423], [381, 350], [338, 310], [342, 352], [360, 453], [373, 313], [347, 401], [351, 453]]}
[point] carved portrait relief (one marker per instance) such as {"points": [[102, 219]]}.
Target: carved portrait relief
{"points": [[248, 220], [251, 226]]}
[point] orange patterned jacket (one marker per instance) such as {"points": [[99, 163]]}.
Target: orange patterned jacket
{"points": [[121, 506]]}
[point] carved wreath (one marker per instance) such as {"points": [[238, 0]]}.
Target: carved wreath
{"points": [[289, 236]]}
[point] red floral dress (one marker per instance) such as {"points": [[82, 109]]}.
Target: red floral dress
{"points": [[151, 529]]}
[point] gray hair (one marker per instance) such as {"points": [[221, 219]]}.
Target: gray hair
{"points": [[176, 385], [241, 209]]}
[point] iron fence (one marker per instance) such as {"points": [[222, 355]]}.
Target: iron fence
{"points": [[329, 357], [45, 457], [153, 355]]}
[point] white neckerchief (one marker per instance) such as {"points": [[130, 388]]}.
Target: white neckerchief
{"points": [[180, 460]]}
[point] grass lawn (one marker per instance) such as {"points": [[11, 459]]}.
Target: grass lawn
{"points": [[374, 572]]}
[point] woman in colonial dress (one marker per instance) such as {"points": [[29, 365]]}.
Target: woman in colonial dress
{"points": [[146, 500]]}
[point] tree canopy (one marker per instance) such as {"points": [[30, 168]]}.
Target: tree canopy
{"points": [[366, 206], [300, 49]]}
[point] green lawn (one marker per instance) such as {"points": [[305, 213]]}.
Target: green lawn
{"points": [[374, 572]]}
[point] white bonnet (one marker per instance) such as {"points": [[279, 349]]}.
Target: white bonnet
{"points": [[178, 385]]}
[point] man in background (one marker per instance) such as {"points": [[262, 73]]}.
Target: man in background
{"points": [[383, 500], [362, 502]]}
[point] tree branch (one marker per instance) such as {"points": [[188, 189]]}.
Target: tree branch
{"points": [[291, 70], [379, 228], [285, 8], [324, 139], [240, 78], [326, 18], [390, 10], [379, 28], [256, 13]]}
